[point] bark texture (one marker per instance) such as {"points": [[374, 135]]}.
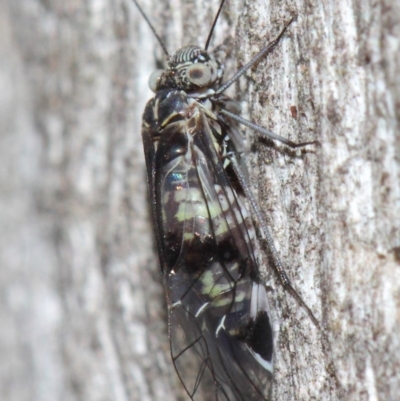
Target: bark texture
{"points": [[82, 311]]}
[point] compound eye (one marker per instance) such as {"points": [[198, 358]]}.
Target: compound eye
{"points": [[153, 79], [199, 74]]}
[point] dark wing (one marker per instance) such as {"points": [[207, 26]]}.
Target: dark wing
{"points": [[149, 135], [219, 328]]}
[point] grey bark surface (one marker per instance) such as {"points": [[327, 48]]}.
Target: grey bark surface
{"points": [[82, 310]]}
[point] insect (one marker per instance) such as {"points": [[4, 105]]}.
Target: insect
{"points": [[219, 325]]}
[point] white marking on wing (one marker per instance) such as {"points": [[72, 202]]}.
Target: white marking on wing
{"points": [[201, 309], [221, 325]]}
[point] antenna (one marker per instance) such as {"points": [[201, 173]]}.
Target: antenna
{"points": [[160, 41], [213, 25]]}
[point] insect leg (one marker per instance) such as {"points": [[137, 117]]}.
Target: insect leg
{"points": [[267, 234], [262, 53], [265, 132]]}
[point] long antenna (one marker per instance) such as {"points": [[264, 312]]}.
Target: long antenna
{"points": [[213, 25], [160, 41]]}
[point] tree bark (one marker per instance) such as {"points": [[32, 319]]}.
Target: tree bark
{"points": [[83, 315]]}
